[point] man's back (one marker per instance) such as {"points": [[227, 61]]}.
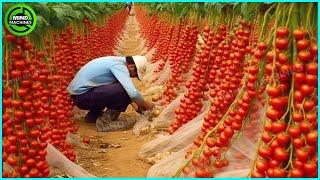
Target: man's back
{"points": [[95, 73]]}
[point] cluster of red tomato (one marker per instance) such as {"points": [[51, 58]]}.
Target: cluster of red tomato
{"points": [[218, 142], [101, 40], [180, 61], [295, 101], [149, 27], [303, 129], [224, 78], [190, 105], [162, 47], [289, 147], [26, 106]]}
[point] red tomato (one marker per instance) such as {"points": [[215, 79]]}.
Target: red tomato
{"points": [[186, 170], [312, 137], [310, 149], [86, 140], [299, 77], [279, 172], [216, 153], [34, 172], [301, 154], [196, 162], [297, 117], [282, 32], [282, 43], [30, 163], [306, 90], [280, 154], [207, 152], [257, 174], [273, 91], [312, 68], [278, 126], [309, 167], [312, 80], [298, 97], [218, 164], [298, 142], [282, 58], [266, 137], [303, 44], [274, 163], [305, 127], [297, 164], [12, 160], [261, 165], [296, 173], [264, 151], [298, 34], [268, 126], [298, 67], [273, 114], [314, 49], [304, 56], [10, 38], [308, 105], [270, 172], [294, 131], [210, 142], [283, 138]]}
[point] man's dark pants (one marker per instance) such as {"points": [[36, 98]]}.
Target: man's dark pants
{"points": [[112, 96]]}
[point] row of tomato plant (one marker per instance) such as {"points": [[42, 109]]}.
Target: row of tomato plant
{"points": [[37, 69]]}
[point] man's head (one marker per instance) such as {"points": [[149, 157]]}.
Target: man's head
{"points": [[136, 66]]}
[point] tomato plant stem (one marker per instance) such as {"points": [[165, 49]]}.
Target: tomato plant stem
{"points": [[290, 14], [197, 152], [264, 21], [273, 80], [7, 60]]}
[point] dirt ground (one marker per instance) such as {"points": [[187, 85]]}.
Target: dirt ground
{"points": [[112, 154], [115, 154]]}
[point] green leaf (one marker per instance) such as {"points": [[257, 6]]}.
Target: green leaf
{"points": [[41, 20], [249, 11], [218, 7], [89, 9], [184, 12], [88, 15], [235, 5], [41, 8], [158, 7], [244, 7], [237, 8]]}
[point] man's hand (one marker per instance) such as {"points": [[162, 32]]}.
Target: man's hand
{"points": [[140, 110], [137, 108], [146, 105], [150, 114]]}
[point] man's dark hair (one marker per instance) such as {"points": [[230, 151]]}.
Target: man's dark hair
{"points": [[129, 60]]}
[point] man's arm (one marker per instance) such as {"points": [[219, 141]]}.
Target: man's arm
{"points": [[123, 76]]}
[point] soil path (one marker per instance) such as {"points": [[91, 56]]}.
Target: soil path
{"points": [[114, 154]]}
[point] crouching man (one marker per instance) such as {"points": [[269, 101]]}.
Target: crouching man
{"points": [[106, 82]]}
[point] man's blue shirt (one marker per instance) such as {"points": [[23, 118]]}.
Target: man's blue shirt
{"points": [[103, 71]]}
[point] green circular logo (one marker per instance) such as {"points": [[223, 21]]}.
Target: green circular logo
{"points": [[20, 20]]}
